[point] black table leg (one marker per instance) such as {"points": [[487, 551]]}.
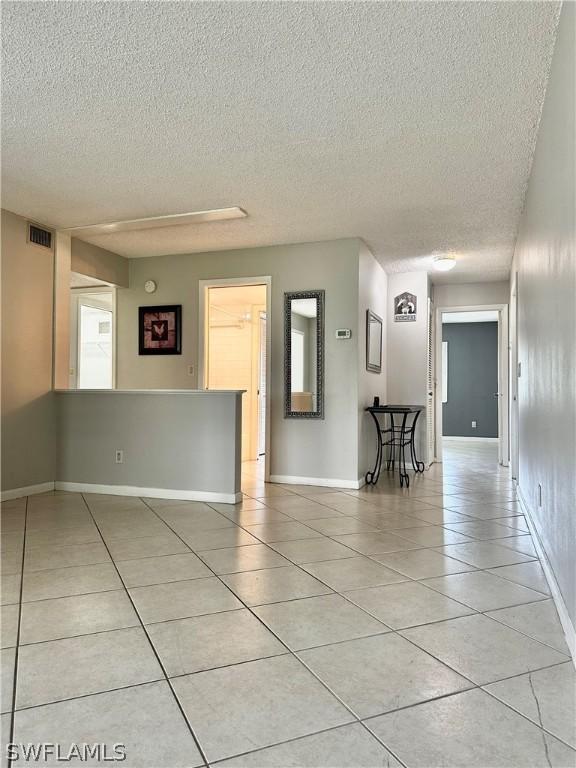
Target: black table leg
{"points": [[391, 460], [418, 466], [404, 478], [371, 478]]}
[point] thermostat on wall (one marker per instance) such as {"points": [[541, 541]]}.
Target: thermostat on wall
{"points": [[343, 333]]}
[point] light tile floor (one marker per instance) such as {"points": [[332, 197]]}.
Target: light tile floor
{"points": [[305, 627]]}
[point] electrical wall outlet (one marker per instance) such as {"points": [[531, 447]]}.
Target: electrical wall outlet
{"points": [[473, 425], [119, 457], [190, 370]]}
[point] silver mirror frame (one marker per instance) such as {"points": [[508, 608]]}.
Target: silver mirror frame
{"points": [[370, 318], [288, 298]]}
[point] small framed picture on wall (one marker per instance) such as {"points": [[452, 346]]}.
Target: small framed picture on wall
{"points": [[160, 330]]}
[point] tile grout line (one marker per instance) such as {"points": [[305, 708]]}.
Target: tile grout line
{"points": [[360, 554], [344, 596], [17, 647], [397, 531], [336, 592], [397, 632], [91, 693], [482, 687], [292, 653], [391, 630], [151, 644], [540, 725], [300, 738], [520, 632]]}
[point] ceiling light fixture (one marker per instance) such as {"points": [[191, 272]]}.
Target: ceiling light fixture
{"points": [[154, 222], [444, 263]]}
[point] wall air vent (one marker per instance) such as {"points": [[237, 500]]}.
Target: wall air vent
{"points": [[39, 236]]}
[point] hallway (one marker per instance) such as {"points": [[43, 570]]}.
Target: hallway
{"points": [[305, 626]]}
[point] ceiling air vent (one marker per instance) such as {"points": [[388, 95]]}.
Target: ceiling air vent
{"points": [[39, 236]]}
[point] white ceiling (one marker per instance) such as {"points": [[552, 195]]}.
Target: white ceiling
{"points": [[409, 124]]}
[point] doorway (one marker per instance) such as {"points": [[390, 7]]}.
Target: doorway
{"points": [[92, 338], [234, 354], [471, 392]]}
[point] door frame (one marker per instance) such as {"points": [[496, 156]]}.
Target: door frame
{"points": [[503, 377], [514, 372], [262, 322], [203, 286]]}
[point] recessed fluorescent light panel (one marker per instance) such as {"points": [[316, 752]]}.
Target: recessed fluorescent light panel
{"points": [[155, 222]]}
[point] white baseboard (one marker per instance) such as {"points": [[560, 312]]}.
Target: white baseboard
{"points": [[327, 482], [471, 439], [567, 626], [29, 490], [153, 493]]}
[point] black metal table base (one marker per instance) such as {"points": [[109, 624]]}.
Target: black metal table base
{"points": [[395, 438]]}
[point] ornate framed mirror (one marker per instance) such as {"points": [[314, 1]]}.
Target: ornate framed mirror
{"points": [[373, 342], [304, 355]]}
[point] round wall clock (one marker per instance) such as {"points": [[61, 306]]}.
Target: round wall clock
{"points": [[149, 286]]}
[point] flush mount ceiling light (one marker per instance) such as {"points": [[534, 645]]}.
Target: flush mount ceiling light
{"points": [[154, 222], [444, 263]]}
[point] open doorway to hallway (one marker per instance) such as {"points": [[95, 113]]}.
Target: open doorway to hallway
{"points": [[92, 334], [236, 357], [472, 384]]}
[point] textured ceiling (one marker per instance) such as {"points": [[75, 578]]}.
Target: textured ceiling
{"points": [[409, 124]]}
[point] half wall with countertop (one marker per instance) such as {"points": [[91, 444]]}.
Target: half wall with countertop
{"points": [[182, 444]]}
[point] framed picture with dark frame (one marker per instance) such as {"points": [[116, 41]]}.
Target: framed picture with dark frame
{"points": [[373, 342], [160, 330]]}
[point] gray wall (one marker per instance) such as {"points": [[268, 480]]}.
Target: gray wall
{"points": [[88, 259], [472, 380], [545, 263], [408, 349], [471, 294], [326, 449], [27, 405], [372, 287], [186, 441]]}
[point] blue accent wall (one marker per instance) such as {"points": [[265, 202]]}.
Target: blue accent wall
{"points": [[472, 380]]}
